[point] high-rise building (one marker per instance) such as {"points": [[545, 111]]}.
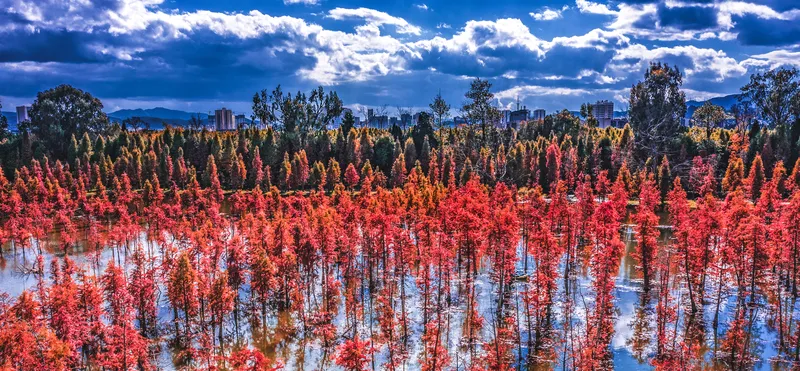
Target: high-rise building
{"points": [[539, 114], [22, 115], [505, 118], [518, 116], [603, 111], [224, 119]]}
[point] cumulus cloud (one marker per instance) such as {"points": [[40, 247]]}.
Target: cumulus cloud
{"points": [[585, 6], [774, 59], [546, 14], [696, 62], [750, 23], [375, 18], [156, 51], [421, 6]]}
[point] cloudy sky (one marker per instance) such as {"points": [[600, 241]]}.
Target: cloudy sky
{"points": [[198, 55]]}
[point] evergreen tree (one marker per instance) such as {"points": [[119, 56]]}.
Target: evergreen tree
{"points": [[755, 181]]}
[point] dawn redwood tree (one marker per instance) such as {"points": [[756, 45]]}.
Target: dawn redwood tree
{"points": [[679, 217], [63, 309], [791, 244], [124, 347], [471, 205], [142, 287], [26, 341], [606, 252], [435, 356], [354, 354], [499, 351], [220, 303], [182, 294], [540, 290], [503, 238], [706, 237], [647, 224]]}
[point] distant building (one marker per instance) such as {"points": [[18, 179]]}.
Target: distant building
{"points": [[380, 121], [603, 111], [241, 120], [212, 121], [518, 116], [405, 119], [539, 114], [505, 118], [22, 115], [224, 119], [394, 121]]}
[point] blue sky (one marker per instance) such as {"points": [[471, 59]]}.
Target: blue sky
{"points": [[197, 55]]}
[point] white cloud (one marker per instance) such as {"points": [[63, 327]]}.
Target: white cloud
{"points": [[773, 59], [421, 6], [486, 34], [585, 6], [629, 17], [376, 18], [597, 38], [704, 61], [306, 2], [546, 14], [524, 92], [368, 52]]}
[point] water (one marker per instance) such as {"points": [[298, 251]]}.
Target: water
{"points": [[632, 344]]}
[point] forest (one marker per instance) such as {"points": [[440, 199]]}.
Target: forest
{"points": [[553, 245]]}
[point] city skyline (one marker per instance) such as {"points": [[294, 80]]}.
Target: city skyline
{"points": [[202, 55]]}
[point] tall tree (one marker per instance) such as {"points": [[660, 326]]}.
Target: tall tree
{"points": [[63, 111], [773, 93], [441, 111], [479, 107], [709, 116], [657, 106]]}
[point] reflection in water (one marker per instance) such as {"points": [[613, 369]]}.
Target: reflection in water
{"points": [[641, 339], [706, 334]]}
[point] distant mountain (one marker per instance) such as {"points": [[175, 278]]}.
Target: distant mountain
{"points": [[158, 112], [726, 102], [157, 123]]}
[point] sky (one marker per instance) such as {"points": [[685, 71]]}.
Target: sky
{"points": [[199, 55]]}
